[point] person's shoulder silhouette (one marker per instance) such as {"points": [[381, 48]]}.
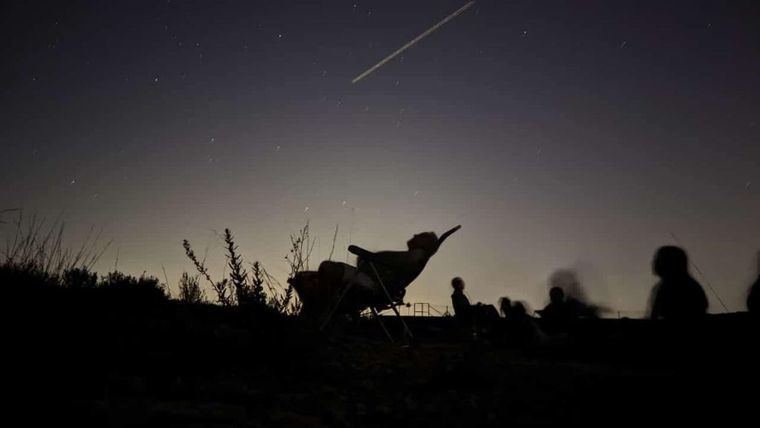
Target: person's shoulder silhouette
{"points": [[678, 295], [753, 300]]}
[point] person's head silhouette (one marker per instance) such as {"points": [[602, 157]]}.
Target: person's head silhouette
{"points": [[457, 284], [556, 295], [678, 295], [518, 310], [505, 305], [670, 262]]}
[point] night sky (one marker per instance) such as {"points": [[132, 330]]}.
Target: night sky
{"points": [[561, 135]]}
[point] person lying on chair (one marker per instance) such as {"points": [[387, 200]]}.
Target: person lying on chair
{"points": [[342, 288], [397, 269]]}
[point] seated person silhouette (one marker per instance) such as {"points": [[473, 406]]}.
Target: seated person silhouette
{"points": [[477, 315], [558, 313], [460, 302], [753, 300], [520, 328], [505, 307], [677, 296]]}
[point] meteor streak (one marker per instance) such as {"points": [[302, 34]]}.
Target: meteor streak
{"points": [[413, 41]]}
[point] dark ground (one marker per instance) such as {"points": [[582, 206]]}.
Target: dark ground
{"points": [[104, 363]]}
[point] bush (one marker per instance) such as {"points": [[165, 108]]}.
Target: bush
{"points": [[128, 289], [79, 278], [247, 288], [190, 289]]}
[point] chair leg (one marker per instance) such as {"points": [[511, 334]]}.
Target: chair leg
{"points": [[332, 310], [382, 324], [407, 332]]}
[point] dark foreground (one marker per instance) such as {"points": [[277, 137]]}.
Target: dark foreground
{"points": [[169, 364]]}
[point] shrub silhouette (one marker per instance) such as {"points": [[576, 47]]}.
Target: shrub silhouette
{"points": [[221, 288], [247, 292], [79, 278], [256, 293], [38, 246], [36, 264], [190, 290], [246, 288], [130, 290]]}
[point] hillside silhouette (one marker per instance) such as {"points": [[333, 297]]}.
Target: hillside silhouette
{"points": [[117, 350]]}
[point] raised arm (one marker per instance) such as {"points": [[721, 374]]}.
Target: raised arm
{"points": [[393, 259], [447, 234], [360, 252]]}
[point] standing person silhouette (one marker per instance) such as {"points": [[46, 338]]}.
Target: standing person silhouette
{"points": [[677, 296]]}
